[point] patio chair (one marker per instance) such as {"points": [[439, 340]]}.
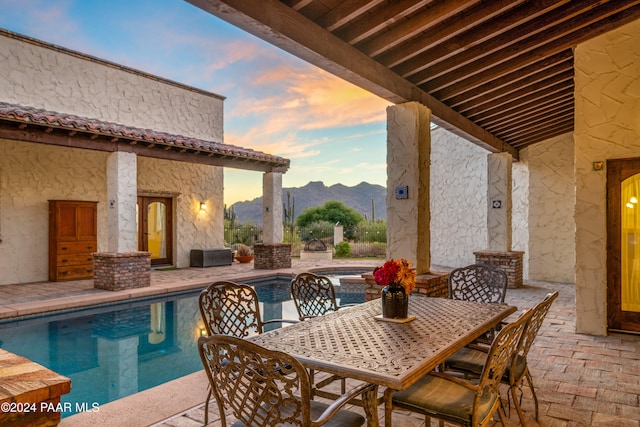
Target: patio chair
{"points": [[457, 400], [267, 388], [230, 308], [314, 295], [480, 283], [470, 360]]}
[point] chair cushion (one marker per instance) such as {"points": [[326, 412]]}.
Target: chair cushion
{"points": [[342, 418], [439, 398], [472, 361]]}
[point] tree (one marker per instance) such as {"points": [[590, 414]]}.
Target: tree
{"points": [[333, 211]]}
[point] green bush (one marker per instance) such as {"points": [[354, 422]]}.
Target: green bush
{"points": [[343, 249]]}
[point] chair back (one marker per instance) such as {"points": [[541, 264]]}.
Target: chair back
{"points": [[533, 326], [230, 308], [502, 351], [478, 282], [261, 387], [313, 295]]}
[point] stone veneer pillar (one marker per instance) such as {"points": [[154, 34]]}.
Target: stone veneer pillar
{"points": [[28, 383], [271, 257], [433, 284], [408, 165], [121, 267]]}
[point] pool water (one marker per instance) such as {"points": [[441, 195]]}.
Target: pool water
{"points": [[111, 352]]}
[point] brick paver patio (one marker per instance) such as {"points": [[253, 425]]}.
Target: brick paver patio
{"points": [[581, 380]]}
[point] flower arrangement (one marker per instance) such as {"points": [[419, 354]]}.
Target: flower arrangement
{"points": [[397, 272]]}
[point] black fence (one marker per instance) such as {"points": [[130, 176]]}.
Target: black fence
{"points": [[367, 240]]}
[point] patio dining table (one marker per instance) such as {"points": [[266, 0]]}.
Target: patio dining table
{"points": [[356, 343]]}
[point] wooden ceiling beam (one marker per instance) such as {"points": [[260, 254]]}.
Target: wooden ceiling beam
{"points": [[541, 88], [378, 20], [456, 94], [532, 117], [517, 83], [345, 12], [525, 111], [478, 41], [513, 57], [434, 13], [559, 129], [444, 31], [544, 117], [278, 24]]}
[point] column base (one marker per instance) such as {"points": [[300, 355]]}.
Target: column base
{"points": [[119, 271], [432, 284], [509, 261], [272, 256]]}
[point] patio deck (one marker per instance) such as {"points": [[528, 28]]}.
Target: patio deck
{"points": [[580, 380]]}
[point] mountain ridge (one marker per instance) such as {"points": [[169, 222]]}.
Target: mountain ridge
{"points": [[316, 193]]}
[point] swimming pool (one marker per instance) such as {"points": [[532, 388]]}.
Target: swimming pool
{"points": [[113, 351]]}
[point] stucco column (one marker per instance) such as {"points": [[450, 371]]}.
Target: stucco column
{"points": [[272, 208], [122, 193], [408, 214], [499, 201]]}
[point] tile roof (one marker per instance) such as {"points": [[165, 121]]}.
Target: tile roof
{"points": [[73, 123]]}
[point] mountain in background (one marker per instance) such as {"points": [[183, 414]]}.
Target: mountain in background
{"points": [[316, 194]]}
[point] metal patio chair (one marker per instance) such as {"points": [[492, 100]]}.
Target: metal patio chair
{"points": [[470, 360], [230, 308], [456, 400], [314, 295], [267, 388]]}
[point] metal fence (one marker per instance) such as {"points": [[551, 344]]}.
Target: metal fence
{"points": [[365, 240]]}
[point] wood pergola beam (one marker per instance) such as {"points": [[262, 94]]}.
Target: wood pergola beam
{"points": [[278, 24]]}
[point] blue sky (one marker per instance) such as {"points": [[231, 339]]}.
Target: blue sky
{"points": [[331, 130]]}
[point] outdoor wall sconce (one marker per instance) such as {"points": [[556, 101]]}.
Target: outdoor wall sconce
{"points": [[203, 332], [203, 206]]}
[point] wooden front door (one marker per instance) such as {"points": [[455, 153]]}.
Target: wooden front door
{"points": [[623, 245], [155, 228]]}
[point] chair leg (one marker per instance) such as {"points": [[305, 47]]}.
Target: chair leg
{"points": [[516, 402], [503, 417], [533, 392], [206, 406]]}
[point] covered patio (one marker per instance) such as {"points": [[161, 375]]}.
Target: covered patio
{"points": [[581, 380]]}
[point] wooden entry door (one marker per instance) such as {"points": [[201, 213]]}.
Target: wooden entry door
{"points": [[623, 245], [155, 228]]}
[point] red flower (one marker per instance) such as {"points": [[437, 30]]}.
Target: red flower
{"points": [[396, 271]]}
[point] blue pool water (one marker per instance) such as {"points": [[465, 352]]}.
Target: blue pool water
{"points": [[111, 352]]}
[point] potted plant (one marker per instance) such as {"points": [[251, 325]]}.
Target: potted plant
{"points": [[244, 254]]}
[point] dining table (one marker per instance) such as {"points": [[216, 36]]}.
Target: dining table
{"points": [[357, 343]]}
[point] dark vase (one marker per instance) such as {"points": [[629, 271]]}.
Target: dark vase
{"points": [[395, 302]]}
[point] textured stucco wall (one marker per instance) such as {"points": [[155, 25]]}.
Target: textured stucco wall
{"points": [[190, 184], [551, 249], [35, 76], [607, 94], [31, 174], [458, 199]]}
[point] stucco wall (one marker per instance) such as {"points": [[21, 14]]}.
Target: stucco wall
{"points": [[31, 174], [458, 199], [191, 184], [551, 197], [57, 80], [607, 94]]}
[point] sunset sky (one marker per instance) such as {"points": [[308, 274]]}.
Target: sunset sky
{"points": [[331, 130]]}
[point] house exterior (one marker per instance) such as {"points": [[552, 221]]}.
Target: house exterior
{"points": [[148, 150]]}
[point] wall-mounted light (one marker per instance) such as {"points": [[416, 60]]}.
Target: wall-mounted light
{"points": [[203, 206], [203, 332]]}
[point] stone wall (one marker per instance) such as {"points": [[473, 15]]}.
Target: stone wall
{"points": [[509, 262], [119, 271], [433, 284], [607, 94]]}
